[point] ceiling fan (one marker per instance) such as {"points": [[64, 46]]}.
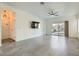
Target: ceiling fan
{"points": [[51, 12]]}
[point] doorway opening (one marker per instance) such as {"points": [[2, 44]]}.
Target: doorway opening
{"points": [[7, 18], [58, 29]]}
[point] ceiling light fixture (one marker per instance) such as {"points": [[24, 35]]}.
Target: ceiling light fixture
{"points": [[51, 12]]}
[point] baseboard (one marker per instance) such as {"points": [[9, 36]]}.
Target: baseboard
{"points": [[31, 37]]}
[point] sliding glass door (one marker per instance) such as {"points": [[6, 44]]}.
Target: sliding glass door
{"points": [[58, 29]]}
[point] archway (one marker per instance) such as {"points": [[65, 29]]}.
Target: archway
{"points": [[7, 17]]}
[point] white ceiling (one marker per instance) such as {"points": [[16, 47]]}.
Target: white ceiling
{"points": [[63, 8]]}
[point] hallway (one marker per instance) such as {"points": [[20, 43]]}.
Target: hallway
{"points": [[42, 46]]}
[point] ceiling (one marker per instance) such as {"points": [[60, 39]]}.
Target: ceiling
{"points": [[63, 8]]}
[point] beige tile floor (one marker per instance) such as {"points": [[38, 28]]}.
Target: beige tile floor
{"points": [[42, 46]]}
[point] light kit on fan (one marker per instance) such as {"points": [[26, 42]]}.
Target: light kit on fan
{"points": [[51, 12]]}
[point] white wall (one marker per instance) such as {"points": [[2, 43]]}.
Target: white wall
{"points": [[78, 28], [23, 29], [48, 27], [73, 28], [22, 24]]}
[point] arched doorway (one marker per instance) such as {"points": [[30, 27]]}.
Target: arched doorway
{"points": [[7, 17]]}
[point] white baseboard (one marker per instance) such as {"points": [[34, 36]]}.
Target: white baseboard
{"points": [[30, 37]]}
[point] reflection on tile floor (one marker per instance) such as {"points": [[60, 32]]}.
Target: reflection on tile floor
{"points": [[42, 46]]}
